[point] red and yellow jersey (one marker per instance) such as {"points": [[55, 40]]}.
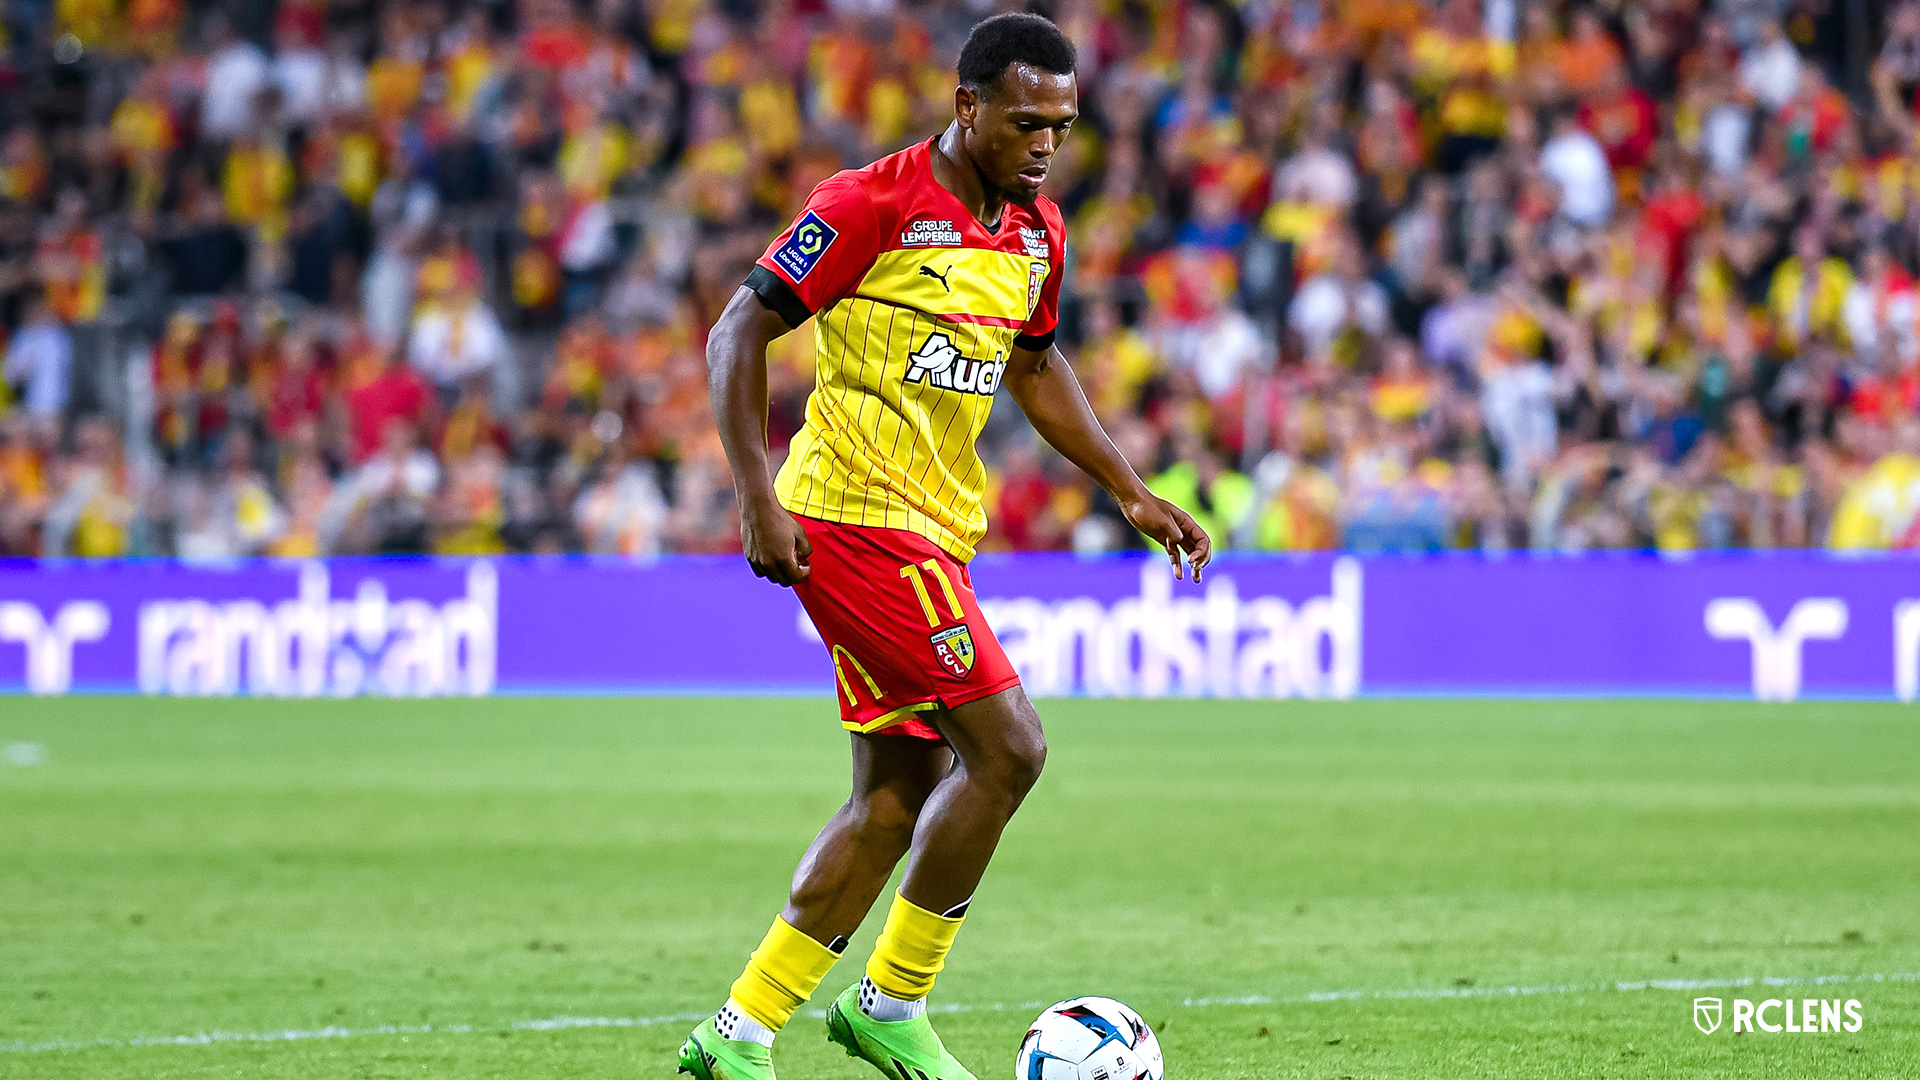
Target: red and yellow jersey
{"points": [[916, 308]]}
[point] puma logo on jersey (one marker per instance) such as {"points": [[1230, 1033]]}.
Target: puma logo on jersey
{"points": [[938, 275], [938, 363]]}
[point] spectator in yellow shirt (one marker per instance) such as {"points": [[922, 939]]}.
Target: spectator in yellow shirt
{"points": [[1879, 510], [1809, 292]]}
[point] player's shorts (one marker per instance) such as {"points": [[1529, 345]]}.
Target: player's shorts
{"points": [[901, 623]]}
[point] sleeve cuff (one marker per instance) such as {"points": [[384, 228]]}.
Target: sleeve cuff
{"points": [[778, 297], [1036, 342]]}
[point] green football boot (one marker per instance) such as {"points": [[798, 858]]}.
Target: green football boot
{"points": [[902, 1050], [709, 1056]]}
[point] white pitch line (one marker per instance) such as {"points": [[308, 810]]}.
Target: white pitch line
{"points": [[1440, 993], [552, 1023], [562, 1023]]}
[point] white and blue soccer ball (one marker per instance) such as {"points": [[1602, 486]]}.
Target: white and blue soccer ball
{"points": [[1089, 1038]]}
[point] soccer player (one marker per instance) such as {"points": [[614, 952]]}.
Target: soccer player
{"points": [[933, 279]]}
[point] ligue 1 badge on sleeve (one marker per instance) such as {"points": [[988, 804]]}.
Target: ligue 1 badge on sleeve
{"points": [[953, 647], [1706, 1015], [809, 240]]}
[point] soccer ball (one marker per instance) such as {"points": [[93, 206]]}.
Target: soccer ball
{"points": [[1089, 1038]]}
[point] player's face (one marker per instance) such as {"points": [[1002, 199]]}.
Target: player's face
{"points": [[1013, 130]]}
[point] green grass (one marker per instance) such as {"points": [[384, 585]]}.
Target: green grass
{"points": [[177, 867]]}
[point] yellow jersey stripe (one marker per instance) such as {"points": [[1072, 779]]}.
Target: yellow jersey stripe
{"points": [[854, 449]]}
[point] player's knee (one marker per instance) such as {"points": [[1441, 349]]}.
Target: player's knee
{"points": [[882, 817], [1025, 755]]}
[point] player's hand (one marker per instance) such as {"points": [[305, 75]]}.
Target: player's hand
{"points": [[775, 544], [1172, 528]]}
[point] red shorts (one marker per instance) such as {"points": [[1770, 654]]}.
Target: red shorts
{"points": [[901, 623]]}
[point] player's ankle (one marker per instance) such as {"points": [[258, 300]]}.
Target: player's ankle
{"points": [[879, 1005], [734, 1024]]}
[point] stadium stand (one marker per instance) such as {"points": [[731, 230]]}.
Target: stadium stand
{"points": [[350, 276]]}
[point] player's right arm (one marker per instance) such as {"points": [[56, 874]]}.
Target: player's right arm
{"points": [[817, 261], [774, 544]]}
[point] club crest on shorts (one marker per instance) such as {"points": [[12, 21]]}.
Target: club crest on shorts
{"points": [[953, 647]]}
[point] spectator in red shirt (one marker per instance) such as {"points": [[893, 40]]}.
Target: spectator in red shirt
{"points": [[1026, 495], [297, 392], [1622, 119], [1812, 118], [1673, 212], [397, 393]]}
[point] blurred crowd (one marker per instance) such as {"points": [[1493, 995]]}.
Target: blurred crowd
{"points": [[351, 276]]}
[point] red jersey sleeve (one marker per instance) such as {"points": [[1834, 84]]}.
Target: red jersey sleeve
{"points": [[1037, 334], [823, 255]]}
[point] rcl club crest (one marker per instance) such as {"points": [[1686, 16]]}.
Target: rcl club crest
{"points": [[937, 362], [953, 647], [1036, 278]]}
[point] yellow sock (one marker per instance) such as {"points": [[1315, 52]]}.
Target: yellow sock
{"points": [[781, 975], [911, 950]]}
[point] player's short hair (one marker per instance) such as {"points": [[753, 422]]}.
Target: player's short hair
{"points": [[1013, 38]]}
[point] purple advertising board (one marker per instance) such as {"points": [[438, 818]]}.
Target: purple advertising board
{"points": [[1774, 626]]}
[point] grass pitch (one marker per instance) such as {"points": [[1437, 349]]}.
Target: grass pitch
{"points": [[451, 870]]}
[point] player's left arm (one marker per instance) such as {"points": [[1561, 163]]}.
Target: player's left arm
{"points": [[1044, 387]]}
